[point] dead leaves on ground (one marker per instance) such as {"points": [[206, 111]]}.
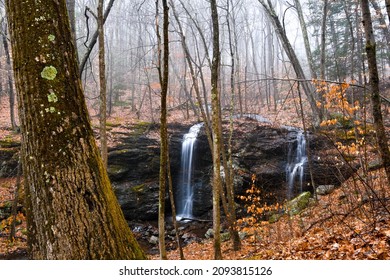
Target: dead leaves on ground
{"points": [[349, 224]]}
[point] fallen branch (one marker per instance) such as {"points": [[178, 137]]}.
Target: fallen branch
{"points": [[194, 220]]}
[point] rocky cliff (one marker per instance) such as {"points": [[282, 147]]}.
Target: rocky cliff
{"points": [[258, 148]]}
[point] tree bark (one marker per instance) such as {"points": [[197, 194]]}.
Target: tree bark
{"points": [[72, 211], [374, 84]]}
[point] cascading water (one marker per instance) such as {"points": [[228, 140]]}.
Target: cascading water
{"points": [[296, 164], [184, 198]]}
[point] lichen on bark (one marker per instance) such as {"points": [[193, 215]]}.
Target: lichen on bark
{"points": [[49, 73]]}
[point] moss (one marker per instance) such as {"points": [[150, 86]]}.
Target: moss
{"points": [[274, 218], [120, 103], [49, 73], [225, 236], [116, 170], [140, 128], [112, 124], [138, 188], [299, 203], [51, 37], [9, 142]]}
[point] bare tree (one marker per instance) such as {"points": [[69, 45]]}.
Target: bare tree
{"points": [[11, 93], [103, 85], [217, 141], [163, 73], [307, 88], [302, 22], [94, 38], [374, 87]]}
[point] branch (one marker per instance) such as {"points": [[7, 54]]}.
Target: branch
{"points": [[94, 38], [300, 80]]}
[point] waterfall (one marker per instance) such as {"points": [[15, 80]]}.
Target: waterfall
{"points": [[184, 198], [296, 164]]}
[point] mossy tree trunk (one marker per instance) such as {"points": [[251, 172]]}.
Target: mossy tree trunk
{"points": [[72, 212], [374, 84]]}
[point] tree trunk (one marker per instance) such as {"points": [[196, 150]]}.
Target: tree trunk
{"points": [[215, 105], [305, 36], [71, 5], [227, 158], [307, 88], [388, 8], [383, 26], [374, 84], [11, 93], [72, 211], [94, 38], [203, 109], [103, 86], [163, 72]]}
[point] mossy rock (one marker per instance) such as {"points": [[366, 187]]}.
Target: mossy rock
{"points": [[140, 128], [295, 206], [9, 142], [113, 124], [5, 210], [138, 188], [225, 236], [116, 171], [375, 165], [274, 218]]}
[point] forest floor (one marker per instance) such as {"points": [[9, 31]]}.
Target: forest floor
{"points": [[353, 222], [346, 224]]}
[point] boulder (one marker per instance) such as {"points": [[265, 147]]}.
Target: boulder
{"points": [[325, 189], [153, 240], [295, 206]]}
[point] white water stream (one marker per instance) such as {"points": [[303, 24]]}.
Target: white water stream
{"points": [[296, 161], [185, 192]]}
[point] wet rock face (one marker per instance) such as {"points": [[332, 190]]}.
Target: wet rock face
{"points": [[258, 148], [138, 202], [133, 168], [261, 150]]}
